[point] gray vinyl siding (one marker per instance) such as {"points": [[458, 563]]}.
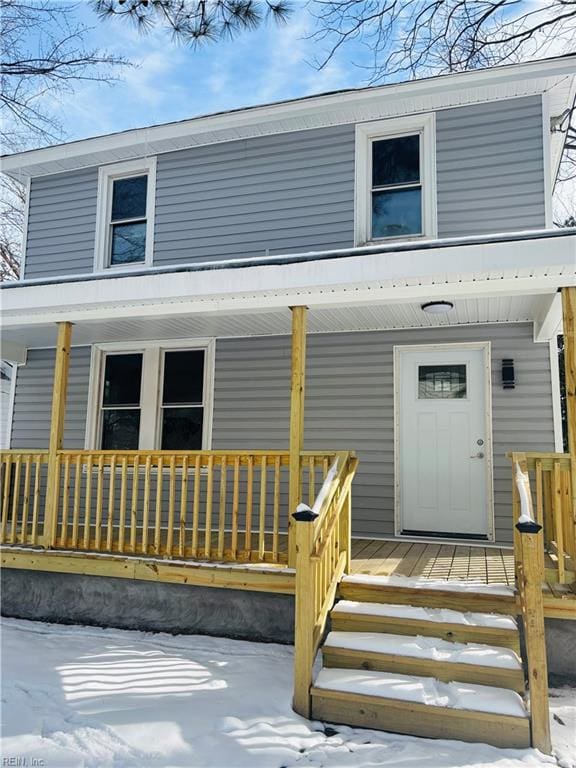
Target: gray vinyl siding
{"points": [[33, 399], [294, 192], [277, 194], [61, 224], [490, 168], [349, 404]]}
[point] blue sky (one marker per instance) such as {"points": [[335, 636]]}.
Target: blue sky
{"points": [[172, 82]]}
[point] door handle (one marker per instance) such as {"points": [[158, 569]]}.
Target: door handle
{"points": [[478, 455]]}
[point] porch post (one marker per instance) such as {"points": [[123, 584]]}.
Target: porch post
{"points": [[59, 392], [296, 446], [569, 322]]}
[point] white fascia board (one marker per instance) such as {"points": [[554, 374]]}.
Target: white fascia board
{"points": [[12, 353], [505, 268], [126, 144]]}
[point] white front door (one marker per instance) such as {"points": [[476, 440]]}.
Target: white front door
{"points": [[443, 440]]}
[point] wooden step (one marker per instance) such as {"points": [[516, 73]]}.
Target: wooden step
{"points": [[421, 707], [446, 624], [427, 657], [460, 596]]}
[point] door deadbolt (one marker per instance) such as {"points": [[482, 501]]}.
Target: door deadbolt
{"points": [[480, 442]]}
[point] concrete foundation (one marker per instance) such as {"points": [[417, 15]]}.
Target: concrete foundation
{"points": [[561, 649], [147, 605]]}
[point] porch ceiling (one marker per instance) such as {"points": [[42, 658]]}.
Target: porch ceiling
{"points": [[534, 308]]}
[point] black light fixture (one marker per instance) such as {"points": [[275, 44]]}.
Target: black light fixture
{"points": [[508, 375], [437, 307]]}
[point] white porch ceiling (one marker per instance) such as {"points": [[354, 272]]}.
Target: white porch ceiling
{"points": [[467, 311]]}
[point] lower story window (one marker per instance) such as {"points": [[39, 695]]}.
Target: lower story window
{"points": [[152, 398]]}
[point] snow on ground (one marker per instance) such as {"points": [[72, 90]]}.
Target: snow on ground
{"points": [[78, 696]]}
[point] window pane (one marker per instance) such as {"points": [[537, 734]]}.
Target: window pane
{"points": [[397, 212], [129, 198], [182, 429], [396, 161], [441, 382], [120, 430], [122, 377], [183, 377], [128, 243]]}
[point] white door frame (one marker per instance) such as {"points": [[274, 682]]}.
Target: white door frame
{"points": [[485, 347]]}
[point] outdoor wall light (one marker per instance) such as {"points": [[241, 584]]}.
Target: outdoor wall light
{"points": [[437, 307], [508, 375]]}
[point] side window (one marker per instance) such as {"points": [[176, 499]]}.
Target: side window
{"points": [[125, 215], [120, 408]]}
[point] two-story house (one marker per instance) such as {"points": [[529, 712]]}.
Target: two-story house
{"points": [[214, 310]]}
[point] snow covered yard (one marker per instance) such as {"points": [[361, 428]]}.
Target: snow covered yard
{"points": [[79, 696]]}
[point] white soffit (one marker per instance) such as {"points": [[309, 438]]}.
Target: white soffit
{"points": [[552, 76], [476, 311]]}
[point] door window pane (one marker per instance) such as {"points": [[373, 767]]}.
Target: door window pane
{"points": [[128, 243], [129, 198], [441, 382], [120, 429], [397, 212], [122, 380], [396, 161], [183, 377], [182, 429]]}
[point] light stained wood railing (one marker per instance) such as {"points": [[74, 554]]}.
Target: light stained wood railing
{"points": [[202, 505], [323, 550], [23, 478], [530, 576], [549, 475]]}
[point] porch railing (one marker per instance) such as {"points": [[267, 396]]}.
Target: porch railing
{"points": [[549, 479], [209, 505], [323, 549]]}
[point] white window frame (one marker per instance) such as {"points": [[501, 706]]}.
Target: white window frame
{"points": [[107, 175], [151, 390], [366, 133]]}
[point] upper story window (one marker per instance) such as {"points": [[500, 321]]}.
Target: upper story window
{"points": [[125, 214], [395, 179], [153, 396]]}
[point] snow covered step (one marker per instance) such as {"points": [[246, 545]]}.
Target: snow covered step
{"points": [[427, 656], [443, 623], [458, 595], [421, 706]]}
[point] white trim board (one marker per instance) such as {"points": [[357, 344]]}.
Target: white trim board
{"points": [[486, 348]]}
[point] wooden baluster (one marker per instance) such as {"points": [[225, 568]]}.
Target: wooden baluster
{"points": [[15, 497], [111, 505], [159, 500], [26, 500], [36, 502], [65, 502], [99, 499], [249, 498], [345, 530], [183, 506], [209, 493], [325, 467], [222, 511], [6, 495], [276, 510], [146, 505], [171, 506], [311, 481], [88, 503], [76, 508], [196, 507], [235, 507], [262, 520], [558, 528], [123, 496], [134, 504]]}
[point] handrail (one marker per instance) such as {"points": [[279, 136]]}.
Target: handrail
{"points": [[323, 551], [529, 548]]}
